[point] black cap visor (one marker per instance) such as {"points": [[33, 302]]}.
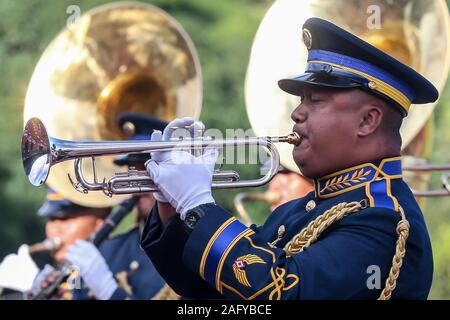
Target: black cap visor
{"points": [[63, 209]]}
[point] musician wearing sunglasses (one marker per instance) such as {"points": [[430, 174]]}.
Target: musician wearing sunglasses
{"points": [[359, 235]]}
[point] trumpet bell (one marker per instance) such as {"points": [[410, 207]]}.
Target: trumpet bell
{"points": [[36, 155], [120, 57]]}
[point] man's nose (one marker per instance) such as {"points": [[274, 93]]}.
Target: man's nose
{"points": [[299, 114]]}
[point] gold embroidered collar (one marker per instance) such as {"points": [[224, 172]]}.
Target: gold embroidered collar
{"points": [[355, 177]]}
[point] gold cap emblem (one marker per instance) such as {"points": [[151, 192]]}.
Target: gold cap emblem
{"points": [[128, 128], [307, 38]]}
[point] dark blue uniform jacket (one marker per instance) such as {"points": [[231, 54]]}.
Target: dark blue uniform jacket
{"points": [[222, 258]]}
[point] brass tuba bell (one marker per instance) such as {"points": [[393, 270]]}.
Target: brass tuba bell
{"points": [[415, 32], [122, 57]]}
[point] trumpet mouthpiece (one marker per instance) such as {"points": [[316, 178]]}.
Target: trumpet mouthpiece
{"points": [[46, 245], [293, 138]]}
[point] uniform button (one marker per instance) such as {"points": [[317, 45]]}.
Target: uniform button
{"points": [[134, 265], [310, 205]]}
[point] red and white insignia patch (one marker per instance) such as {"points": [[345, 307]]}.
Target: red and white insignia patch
{"points": [[239, 264]]}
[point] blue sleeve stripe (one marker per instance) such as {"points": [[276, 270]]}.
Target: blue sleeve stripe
{"points": [[218, 248]]}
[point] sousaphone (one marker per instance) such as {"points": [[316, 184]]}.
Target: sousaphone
{"points": [[124, 57], [414, 32]]}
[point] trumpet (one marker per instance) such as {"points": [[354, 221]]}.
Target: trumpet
{"points": [[64, 270], [51, 244], [40, 152]]}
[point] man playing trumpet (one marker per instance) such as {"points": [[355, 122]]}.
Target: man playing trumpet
{"points": [[359, 235]]}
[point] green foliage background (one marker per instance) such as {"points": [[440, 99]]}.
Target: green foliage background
{"points": [[222, 31]]}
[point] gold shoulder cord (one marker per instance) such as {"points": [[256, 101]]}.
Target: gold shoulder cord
{"points": [[311, 233]]}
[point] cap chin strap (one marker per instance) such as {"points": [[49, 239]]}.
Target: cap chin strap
{"points": [[334, 71]]}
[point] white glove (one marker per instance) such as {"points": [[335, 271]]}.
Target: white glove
{"points": [[93, 269], [17, 271], [175, 129], [157, 136], [184, 180], [39, 279]]}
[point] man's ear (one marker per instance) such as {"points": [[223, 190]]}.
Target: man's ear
{"points": [[370, 120]]}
